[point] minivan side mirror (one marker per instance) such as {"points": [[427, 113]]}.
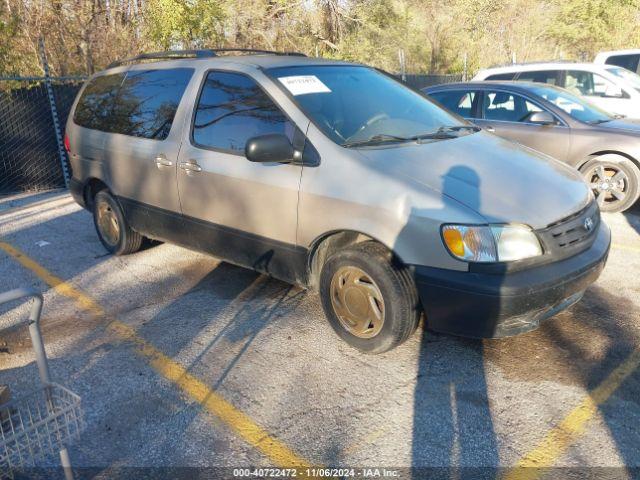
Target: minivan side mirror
{"points": [[542, 118], [269, 148]]}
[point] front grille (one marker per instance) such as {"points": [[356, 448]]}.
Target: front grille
{"points": [[573, 233]]}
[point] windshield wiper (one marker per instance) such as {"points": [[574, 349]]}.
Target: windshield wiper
{"points": [[376, 139], [445, 132]]}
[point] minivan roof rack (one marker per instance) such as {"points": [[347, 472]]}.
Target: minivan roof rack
{"points": [[202, 53]]}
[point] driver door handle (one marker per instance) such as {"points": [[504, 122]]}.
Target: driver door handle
{"points": [[489, 128], [190, 166]]}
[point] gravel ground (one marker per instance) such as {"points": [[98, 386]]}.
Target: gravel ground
{"points": [[265, 347]]}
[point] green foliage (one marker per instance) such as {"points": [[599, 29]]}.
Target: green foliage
{"points": [[584, 27], [375, 31], [9, 26], [189, 24], [14, 56], [435, 35]]}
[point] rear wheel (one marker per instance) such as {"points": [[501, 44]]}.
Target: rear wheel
{"points": [[369, 298], [614, 181], [113, 231]]}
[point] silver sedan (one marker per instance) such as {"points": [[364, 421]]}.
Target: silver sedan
{"points": [[605, 148]]}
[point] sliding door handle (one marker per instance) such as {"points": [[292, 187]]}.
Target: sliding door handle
{"points": [[191, 166], [162, 161]]}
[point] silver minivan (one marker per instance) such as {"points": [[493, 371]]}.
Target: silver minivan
{"points": [[336, 177]]}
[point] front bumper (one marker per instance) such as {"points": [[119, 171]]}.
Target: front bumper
{"points": [[493, 305]]}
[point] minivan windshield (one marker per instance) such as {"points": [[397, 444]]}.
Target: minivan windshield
{"points": [[575, 106], [630, 77], [357, 106]]}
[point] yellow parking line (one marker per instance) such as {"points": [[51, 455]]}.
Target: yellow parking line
{"points": [[561, 437], [625, 247], [214, 403], [56, 283]]}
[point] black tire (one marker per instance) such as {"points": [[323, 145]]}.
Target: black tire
{"points": [[628, 185], [401, 312], [126, 240]]}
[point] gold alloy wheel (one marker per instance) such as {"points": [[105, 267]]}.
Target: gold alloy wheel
{"points": [[108, 223], [357, 301]]}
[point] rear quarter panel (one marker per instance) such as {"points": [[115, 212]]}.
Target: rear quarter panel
{"points": [[586, 143]]}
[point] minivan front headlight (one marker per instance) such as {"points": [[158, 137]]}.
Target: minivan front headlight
{"points": [[491, 243]]}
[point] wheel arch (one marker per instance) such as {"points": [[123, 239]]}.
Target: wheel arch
{"points": [[601, 153], [91, 187], [326, 244]]}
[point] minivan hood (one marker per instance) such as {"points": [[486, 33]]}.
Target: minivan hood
{"points": [[500, 180]]}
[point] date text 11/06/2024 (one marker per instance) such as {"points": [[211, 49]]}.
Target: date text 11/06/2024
{"points": [[315, 472]]}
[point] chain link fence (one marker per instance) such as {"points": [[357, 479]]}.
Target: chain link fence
{"points": [[427, 80], [30, 157]]}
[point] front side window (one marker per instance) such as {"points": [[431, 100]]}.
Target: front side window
{"points": [[96, 102], [541, 76], [355, 104], [232, 108], [572, 104], [457, 101], [630, 77], [590, 84], [507, 107]]}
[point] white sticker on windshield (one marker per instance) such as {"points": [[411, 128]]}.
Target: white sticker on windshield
{"points": [[303, 84]]}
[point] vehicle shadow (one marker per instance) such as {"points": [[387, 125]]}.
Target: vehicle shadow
{"points": [[581, 347], [633, 217], [452, 418], [229, 307], [212, 327], [453, 427]]}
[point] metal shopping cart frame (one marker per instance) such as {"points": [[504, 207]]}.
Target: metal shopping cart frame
{"points": [[44, 420]]}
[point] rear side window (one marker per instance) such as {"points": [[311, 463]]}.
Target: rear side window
{"points": [[231, 109], [630, 62], [96, 102], [502, 76], [543, 76], [589, 84], [141, 104], [457, 101], [147, 102], [507, 107]]}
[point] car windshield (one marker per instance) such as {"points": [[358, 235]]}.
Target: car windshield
{"points": [[357, 106], [575, 106], [627, 75]]}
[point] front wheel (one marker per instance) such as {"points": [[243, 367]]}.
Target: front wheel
{"points": [[114, 232], [614, 181], [369, 298]]}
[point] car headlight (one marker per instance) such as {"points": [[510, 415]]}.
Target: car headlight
{"points": [[491, 243]]}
